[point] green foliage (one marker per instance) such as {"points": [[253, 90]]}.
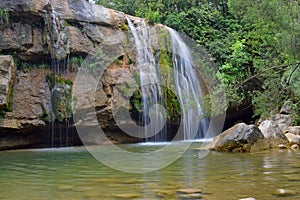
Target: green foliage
{"points": [[235, 70], [125, 90], [272, 28], [2, 113], [76, 60], [61, 100], [53, 80], [267, 101], [292, 79], [26, 66], [4, 16], [153, 16], [124, 27], [171, 103], [136, 102]]}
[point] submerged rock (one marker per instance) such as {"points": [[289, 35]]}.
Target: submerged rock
{"points": [[127, 196], [284, 193], [239, 138], [189, 193], [190, 190], [190, 196], [165, 193]]}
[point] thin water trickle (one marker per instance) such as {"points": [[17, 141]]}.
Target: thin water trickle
{"points": [[60, 132]]}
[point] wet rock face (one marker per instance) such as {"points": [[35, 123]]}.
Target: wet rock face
{"points": [[39, 30], [7, 74], [32, 99], [239, 138], [43, 31], [17, 36], [61, 99]]}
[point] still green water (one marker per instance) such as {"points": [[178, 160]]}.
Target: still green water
{"points": [[72, 173]]}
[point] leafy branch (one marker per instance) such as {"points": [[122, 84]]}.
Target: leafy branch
{"points": [[268, 69]]}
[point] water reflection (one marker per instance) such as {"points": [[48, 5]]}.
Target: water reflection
{"points": [[74, 174]]}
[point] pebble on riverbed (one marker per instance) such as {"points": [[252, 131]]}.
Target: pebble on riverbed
{"points": [[190, 196], [127, 196], [189, 193], [283, 192], [189, 190], [165, 193]]}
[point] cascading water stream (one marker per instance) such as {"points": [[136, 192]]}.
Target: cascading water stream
{"points": [[150, 82], [188, 88], [185, 79]]}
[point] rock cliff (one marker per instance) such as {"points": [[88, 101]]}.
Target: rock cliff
{"points": [[43, 43]]}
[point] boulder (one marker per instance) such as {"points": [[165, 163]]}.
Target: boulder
{"points": [[239, 138], [270, 128], [7, 74], [295, 147], [293, 139], [292, 129], [283, 120], [273, 134]]}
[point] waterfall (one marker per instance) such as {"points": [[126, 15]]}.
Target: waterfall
{"points": [[150, 83], [185, 81], [188, 88]]}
